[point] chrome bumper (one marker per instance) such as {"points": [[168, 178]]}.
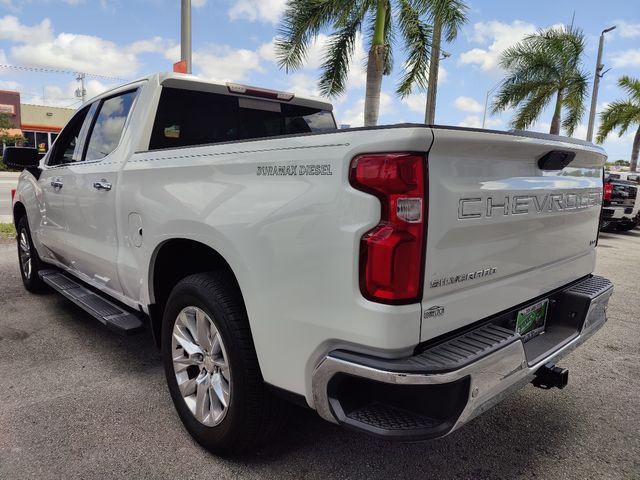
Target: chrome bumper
{"points": [[491, 377]]}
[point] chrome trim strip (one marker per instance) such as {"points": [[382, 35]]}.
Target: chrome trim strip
{"points": [[492, 377]]}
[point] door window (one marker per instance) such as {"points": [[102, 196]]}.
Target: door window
{"points": [[67, 148], [109, 124]]}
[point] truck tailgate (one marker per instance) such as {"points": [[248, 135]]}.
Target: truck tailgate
{"points": [[501, 230]]}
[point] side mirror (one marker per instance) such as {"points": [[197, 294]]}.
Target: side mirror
{"points": [[21, 157]]}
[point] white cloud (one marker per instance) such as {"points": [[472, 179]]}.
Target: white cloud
{"points": [[198, 3], [468, 104], [152, 45], [495, 37], [303, 84], [3, 57], [10, 85], [79, 52], [225, 64], [11, 29], [355, 115], [475, 121], [268, 11], [627, 58], [416, 102], [626, 30]]}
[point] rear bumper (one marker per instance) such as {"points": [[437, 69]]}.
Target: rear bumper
{"points": [[435, 392]]}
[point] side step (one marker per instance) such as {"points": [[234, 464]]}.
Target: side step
{"points": [[114, 317]]}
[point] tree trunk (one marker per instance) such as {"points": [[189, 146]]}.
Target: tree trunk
{"points": [[375, 68], [434, 67], [634, 151], [555, 121]]}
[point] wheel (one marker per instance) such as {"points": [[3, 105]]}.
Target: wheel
{"points": [[212, 369], [30, 263]]}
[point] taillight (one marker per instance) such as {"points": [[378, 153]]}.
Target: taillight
{"points": [[607, 191], [392, 253], [13, 194]]}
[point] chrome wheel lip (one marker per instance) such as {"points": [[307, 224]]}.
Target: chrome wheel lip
{"points": [[24, 250], [201, 366]]}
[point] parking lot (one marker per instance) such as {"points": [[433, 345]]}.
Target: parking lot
{"points": [[78, 401]]}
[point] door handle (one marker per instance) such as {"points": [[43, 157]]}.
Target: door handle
{"points": [[56, 183], [102, 185]]}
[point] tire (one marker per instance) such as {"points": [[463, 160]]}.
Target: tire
{"points": [[28, 260], [252, 414]]}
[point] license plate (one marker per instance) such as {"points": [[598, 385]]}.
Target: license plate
{"points": [[530, 321]]}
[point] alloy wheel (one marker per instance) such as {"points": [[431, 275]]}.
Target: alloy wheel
{"points": [[25, 253], [201, 366]]}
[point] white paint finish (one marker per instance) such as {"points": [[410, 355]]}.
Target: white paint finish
{"points": [[293, 242], [533, 253]]}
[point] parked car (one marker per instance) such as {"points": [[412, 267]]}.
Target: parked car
{"points": [[628, 176], [621, 204], [398, 280]]}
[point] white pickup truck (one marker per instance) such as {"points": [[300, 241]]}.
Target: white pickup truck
{"points": [[399, 280]]}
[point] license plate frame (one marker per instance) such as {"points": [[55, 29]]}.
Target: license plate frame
{"points": [[531, 320]]}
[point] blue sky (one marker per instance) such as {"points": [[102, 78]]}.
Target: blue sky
{"points": [[232, 41]]}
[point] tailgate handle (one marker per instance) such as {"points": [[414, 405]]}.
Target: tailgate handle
{"points": [[556, 159]]}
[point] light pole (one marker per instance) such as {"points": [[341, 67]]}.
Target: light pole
{"points": [[486, 101], [185, 35], [596, 84]]}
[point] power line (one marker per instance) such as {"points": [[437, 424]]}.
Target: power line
{"points": [[54, 70]]}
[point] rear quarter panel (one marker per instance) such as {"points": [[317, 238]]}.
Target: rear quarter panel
{"points": [[291, 240]]}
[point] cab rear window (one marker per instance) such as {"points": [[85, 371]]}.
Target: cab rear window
{"points": [[188, 117]]}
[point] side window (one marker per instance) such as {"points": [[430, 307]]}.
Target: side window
{"points": [[67, 148], [108, 126]]}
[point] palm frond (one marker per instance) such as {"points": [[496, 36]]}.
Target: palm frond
{"points": [[544, 63], [417, 40], [618, 115], [452, 14], [574, 101], [302, 22], [631, 86], [335, 66]]}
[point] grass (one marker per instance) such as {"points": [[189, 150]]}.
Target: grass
{"points": [[7, 230]]}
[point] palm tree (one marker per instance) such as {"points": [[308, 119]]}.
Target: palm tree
{"points": [[542, 66], [383, 19], [621, 114], [447, 16]]}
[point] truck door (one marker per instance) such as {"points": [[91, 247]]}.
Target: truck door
{"points": [[90, 194], [51, 229]]}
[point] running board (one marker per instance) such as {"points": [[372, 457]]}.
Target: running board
{"points": [[114, 317]]}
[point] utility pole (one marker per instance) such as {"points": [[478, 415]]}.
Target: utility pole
{"points": [[81, 92], [185, 35], [596, 83]]}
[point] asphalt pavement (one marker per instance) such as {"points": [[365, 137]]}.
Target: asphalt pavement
{"points": [[77, 401]]}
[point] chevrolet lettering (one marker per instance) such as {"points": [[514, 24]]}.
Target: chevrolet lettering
{"points": [[469, 208]]}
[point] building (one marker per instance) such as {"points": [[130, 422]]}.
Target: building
{"points": [[39, 124]]}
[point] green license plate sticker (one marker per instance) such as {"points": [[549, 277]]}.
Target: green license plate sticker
{"points": [[530, 320]]}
